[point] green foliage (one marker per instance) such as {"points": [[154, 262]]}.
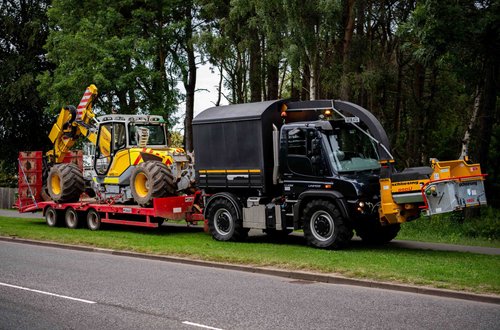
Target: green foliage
{"points": [[455, 229], [8, 174], [23, 125], [121, 47], [176, 139]]}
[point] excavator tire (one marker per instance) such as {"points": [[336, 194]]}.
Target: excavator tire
{"points": [[151, 179], [65, 183]]}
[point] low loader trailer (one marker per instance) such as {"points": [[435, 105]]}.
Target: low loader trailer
{"points": [[92, 212], [323, 166]]}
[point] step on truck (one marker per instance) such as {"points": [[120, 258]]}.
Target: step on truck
{"points": [[324, 167]]}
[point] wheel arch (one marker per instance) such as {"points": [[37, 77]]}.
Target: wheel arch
{"points": [[334, 196], [233, 199]]}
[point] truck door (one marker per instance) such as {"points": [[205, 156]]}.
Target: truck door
{"points": [[111, 138], [304, 156]]}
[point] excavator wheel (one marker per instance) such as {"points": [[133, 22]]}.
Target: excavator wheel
{"points": [[150, 180], [65, 183]]}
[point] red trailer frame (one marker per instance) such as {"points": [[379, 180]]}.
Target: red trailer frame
{"points": [[169, 208]]}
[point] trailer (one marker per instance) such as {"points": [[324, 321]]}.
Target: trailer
{"points": [[90, 211], [93, 214]]}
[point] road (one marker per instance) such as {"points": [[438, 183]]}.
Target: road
{"points": [[83, 290], [356, 242]]}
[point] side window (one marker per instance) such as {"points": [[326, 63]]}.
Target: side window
{"points": [[104, 148], [305, 155], [119, 137]]}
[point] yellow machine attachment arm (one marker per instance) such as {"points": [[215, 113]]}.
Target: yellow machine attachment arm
{"points": [[447, 186], [71, 124]]}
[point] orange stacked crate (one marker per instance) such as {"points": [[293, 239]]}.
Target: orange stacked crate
{"points": [[30, 178]]}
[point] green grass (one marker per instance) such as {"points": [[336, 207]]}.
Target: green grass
{"points": [[482, 230], [451, 270]]}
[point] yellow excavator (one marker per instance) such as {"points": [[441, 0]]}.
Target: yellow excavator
{"points": [[131, 159]]}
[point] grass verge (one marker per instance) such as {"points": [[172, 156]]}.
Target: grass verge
{"points": [[450, 270], [482, 230]]}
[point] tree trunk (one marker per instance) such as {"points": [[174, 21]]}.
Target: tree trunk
{"points": [[190, 82], [488, 108], [255, 70], [273, 74], [345, 89], [472, 122]]}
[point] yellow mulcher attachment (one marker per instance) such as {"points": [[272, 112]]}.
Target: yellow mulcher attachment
{"points": [[445, 186]]}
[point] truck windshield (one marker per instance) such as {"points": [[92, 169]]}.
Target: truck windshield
{"points": [[349, 150], [156, 134]]}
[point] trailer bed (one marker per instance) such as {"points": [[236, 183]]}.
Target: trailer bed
{"points": [[165, 208]]}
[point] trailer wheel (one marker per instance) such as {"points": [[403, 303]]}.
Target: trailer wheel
{"points": [[373, 232], [71, 218], [93, 220], [223, 221], [324, 227], [65, 183], [52, 217], [151, 179]]}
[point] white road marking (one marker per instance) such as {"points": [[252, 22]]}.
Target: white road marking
{"points": [[48, 293], [200, 325]]}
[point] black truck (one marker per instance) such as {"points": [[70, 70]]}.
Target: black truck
{"points": [[281, 166]]}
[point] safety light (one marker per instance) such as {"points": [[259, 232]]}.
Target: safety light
{"points": [[328, 113], [283, 110]]}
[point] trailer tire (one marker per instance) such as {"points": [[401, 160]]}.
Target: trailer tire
{"points": [[373, 232], [65, 183], [151, 179], [223, 221], [52, 217], [71, 218], [93, 220], [324, 226]]}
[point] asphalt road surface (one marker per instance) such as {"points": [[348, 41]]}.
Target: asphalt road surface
{"points": [[50, 288]]}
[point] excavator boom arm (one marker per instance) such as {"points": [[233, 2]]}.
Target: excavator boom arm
{"points": [[71, 124]]}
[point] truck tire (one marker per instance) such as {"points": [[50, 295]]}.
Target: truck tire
{"points": [[150, 180], [93, 220], [71, 218], [324, 227], [52, 217], [223, 221], [373, 232], [65, 183]]}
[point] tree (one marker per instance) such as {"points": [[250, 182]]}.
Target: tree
{"points": [[466, 34], [23, 125], [119, 46]]}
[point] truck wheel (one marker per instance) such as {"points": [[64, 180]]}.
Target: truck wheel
{"points": [[223, 221], [65, 183], [150, 180], [71, 218], [374, 233], [52, 217], [93, 220], [324, 227]]}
